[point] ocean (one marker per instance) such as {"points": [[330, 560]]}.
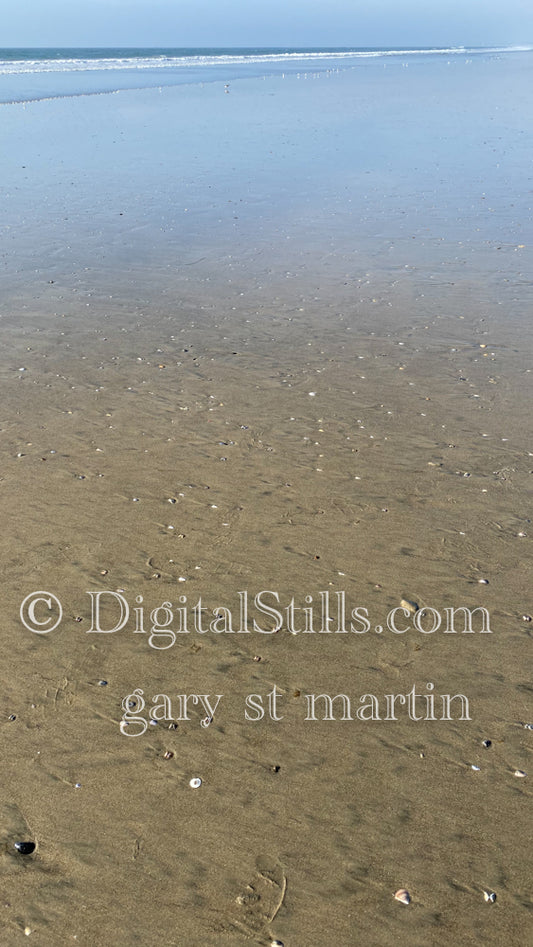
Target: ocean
{"points": [[27, 74]]}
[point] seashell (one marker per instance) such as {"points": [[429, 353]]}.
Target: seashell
{"points": [[489, 896], [195, 783], [403, 896], [276, 943], [25, 848], [520, 773], [409, 605]]}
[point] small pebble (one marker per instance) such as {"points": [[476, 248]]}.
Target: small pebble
{"points": [[276, 943], [489, 896], [487, 743], [25, 848], [476, 768], [168, 755], [102, 683], [483, 581], [403, 896], [195, 783], [520, 773]]}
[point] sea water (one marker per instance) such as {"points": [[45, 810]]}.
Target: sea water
{"points": [[295, 158]]}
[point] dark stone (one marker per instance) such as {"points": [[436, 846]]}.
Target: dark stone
{"points": [[25, 848]]}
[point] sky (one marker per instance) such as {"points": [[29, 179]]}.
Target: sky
{"points": [[402, 23]]}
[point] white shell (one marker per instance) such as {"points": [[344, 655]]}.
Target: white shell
{"points": [[403, 896], [489, 896], [520, 773], [195, 783]]}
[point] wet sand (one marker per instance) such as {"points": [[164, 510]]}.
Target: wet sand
{"points": [[344, 415]]}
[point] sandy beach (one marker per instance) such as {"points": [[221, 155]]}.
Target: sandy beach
{"points": [[275, 340]]}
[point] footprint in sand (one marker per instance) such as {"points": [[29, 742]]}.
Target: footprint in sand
{"points": [[258, 904]]}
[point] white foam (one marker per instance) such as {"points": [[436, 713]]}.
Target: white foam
{"points": [[29, 66]]}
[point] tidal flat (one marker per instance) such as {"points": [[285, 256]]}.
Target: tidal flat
{"points": [[268, 333]]}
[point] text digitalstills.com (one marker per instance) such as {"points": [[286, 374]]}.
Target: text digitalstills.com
{"points": [[264, 613]]}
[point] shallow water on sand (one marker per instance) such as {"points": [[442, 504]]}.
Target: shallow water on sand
{"points": [[276, 339]]}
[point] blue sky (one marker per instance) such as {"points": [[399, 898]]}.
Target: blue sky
{"points": [[261, 23]]}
